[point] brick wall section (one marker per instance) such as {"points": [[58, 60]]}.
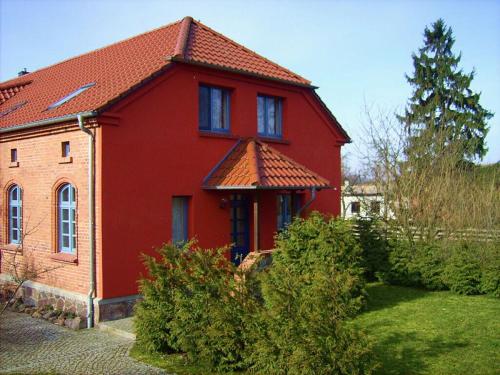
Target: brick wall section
{"points": [[41, 170]]}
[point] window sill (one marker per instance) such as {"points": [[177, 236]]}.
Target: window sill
{"points": [[213, 134], [14, 164], [64, 258], [273, 140], [66, 160], [12, 248]]}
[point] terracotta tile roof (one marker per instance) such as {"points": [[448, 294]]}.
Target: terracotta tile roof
{"points": [[120, 67], [252, 164], [8, 91]]}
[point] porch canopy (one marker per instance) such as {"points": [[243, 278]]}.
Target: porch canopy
{"points": [[254, 165]]}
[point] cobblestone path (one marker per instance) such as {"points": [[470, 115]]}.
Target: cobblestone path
{"points": [[34, 346]]}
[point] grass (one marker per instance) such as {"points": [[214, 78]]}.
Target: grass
{"points": [[414, 332], [420, 332]]}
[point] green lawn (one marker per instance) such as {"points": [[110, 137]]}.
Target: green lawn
{"points": [[414, 332], [420, 332]]}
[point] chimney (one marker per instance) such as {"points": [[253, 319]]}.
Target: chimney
{"points": [[22, 72]]}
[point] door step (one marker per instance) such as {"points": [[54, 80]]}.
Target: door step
{"points": [[120, 327]]}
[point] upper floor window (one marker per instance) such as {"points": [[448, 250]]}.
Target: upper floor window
{"points": [[355, 207], [214, 109], [269, 116], [13, 155], [15, 216], [180, 219], [65, 149], [66, 228]]}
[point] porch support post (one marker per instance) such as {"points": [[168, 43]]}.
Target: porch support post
{"points": [[256, 234]]}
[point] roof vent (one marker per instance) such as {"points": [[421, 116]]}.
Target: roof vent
{"points": [[22, 72]]}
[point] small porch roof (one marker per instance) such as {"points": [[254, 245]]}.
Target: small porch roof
{"points": [[253, 164]]}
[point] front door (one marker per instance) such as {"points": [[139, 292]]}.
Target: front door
{"points": [[239, 228]]}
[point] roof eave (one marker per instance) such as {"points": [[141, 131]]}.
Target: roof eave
{"points": [[239, 71], [254, 187], [49, 121]]}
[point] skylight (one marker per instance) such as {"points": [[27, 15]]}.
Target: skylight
{"points": [[71, 96], [12, 109]]}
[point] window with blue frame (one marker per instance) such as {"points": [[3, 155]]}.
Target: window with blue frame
{"points": [[66, 228], [269, 116], [15, 215], [214, 112], [284, 210], [180, 209]]}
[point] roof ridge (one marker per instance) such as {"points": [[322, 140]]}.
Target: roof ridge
{"points": [[89, 52], [183, 37], [290, 160], [253, 161], [250, 51]]}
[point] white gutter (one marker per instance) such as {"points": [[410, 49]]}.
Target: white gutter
{"points": [[90, 299]]}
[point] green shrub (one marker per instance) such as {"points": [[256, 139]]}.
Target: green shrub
{"points": [[465, 267], [490, 268], [462, 272], [312, 288], [375, 248], [400, 270], [429, 264], [157, 309], [214, 307]]}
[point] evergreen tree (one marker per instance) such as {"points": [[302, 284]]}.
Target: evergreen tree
{"points": [[443, 111]]}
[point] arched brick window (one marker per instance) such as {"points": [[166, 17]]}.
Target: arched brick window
{"points": [[66, 226], [15, 214]]}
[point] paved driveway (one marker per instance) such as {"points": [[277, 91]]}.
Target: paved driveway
{"points": [[31, 346]]}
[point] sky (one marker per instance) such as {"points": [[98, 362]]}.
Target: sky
{"points": [[357, 52]]}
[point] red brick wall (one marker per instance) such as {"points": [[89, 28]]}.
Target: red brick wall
{"points": [[41, 170]]}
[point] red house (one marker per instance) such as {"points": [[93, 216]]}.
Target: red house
{"points": [[176, 133]]}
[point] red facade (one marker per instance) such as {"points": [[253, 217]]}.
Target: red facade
{"points": [[169, 156]]}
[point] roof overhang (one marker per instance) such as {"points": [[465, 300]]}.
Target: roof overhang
{"points": [[50, 121], [246, 187]]}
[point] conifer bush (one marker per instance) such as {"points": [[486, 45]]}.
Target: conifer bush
{"points": [[155, 312], [214, 309], [313, 287]]}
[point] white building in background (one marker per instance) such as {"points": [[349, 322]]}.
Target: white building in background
{"points": [[362, 200]]}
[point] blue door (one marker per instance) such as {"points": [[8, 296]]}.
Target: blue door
{"points": [[239, 228]]}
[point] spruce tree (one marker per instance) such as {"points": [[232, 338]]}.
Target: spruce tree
{"points": [[443, 112]]}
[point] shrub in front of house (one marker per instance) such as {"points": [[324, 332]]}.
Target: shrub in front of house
{"points": [[214, 308], [195, 302], [155, 312], [312, 289]]}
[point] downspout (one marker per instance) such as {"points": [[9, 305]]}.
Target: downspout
{"points": [[90, 300], [308, 203]]}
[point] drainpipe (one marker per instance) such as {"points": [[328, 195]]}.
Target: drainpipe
{"points": [[308, 203], [90, 300]]}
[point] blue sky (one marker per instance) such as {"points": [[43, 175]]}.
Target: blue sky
{"points": [[357, 52]]}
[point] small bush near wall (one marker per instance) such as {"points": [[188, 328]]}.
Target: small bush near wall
{"points": [[156, 311], [196, 302], [214, 308], [312, 289]]}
